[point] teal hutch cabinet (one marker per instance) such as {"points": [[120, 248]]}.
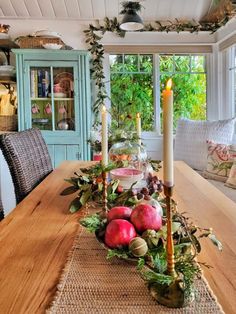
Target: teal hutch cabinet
{"points": [[53, 90]]}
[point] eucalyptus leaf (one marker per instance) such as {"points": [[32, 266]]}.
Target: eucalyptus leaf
{"points": [[72, 181], [114, 185], [215, 241], [175, 227], [196, 243], [85, 187], [69, 190], [85, 197], [75, 205], [85, 178]]}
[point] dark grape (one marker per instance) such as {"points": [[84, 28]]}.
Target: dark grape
{"points": [[144, 191], [154, 185], [147, 197], [139, 196], [151, 191]]}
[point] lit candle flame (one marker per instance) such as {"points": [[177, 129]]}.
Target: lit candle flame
{"points": [[104, 109], [138, 115], [169, 84]]}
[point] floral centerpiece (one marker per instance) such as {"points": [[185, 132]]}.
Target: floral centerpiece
{"points": [[135, 228]]}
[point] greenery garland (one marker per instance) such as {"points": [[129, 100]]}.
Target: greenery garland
{"points": [[112, 25]]}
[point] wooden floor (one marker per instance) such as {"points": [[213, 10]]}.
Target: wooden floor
{"points": [[36, 237]]}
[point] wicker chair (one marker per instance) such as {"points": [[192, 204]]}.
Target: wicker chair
{"points": [[1, 210], [28, 159]]}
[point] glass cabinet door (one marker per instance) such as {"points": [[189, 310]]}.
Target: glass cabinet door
{"points": [[52, 98]]}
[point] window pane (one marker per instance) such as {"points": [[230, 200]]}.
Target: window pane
{"points": [[189, 95], [131, 63], [182, 63], [166, 63], [132, 93], [197, 64], [116, 62], [145, 63]]}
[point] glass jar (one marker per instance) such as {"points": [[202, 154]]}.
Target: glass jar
{"points": [[133, 154]]}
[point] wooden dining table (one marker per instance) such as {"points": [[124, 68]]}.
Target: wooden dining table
{"points": [[37, 235]]}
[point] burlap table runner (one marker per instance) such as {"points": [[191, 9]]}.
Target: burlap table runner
{"points": [[92, 284]]}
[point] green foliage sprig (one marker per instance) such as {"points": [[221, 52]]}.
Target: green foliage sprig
{"points": [[97, 51], [89, 187]]}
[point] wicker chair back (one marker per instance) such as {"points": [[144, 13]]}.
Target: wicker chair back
{"points": [[1, 210], [28, 159]]}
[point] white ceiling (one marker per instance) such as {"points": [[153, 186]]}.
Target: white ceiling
{"points": [[88, 10]]}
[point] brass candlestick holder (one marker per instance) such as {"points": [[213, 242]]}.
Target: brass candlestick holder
{"points": [[168, 191], [169, 295], [104, 194]]}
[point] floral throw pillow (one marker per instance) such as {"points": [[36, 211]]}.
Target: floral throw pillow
{"points": [[220, 158], [191, 137], [231, 181]]}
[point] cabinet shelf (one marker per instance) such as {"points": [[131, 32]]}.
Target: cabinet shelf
{"points": [[49, 99]]}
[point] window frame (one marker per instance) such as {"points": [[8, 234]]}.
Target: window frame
{"points": [[156, 82]]}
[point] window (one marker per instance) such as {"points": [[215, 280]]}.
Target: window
{"points": [[189, 84], [132, 90], [137, 81], [232, 70]]}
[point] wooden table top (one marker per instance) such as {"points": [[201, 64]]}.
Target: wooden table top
{"points": [[36, 236]]}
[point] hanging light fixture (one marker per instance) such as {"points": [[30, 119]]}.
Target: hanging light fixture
{"points": [[131, 20]]}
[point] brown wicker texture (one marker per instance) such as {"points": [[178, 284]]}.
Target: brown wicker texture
{"points": [[8, 123], [1, 210], [28, 159], [92, 284], [38, 42]]}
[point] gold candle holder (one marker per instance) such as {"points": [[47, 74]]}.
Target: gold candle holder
{"points": [[168, 191], [169, 295], [104, 195]]}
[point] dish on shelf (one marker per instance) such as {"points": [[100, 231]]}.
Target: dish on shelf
{"points": [[40, 121], [52, 46], [47, 33], [58, 95]]}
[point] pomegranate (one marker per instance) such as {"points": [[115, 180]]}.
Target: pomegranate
{"points": [[144, 217], [117, 212], [118, 233]]}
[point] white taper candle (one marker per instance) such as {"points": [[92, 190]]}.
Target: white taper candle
{"points": [[168, 163]]}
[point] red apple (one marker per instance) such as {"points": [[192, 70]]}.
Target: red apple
{"points": [[144, 217], [117, 212], [118, 233]]}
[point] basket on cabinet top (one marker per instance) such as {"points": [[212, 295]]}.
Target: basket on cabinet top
{"points": [[8, 123], [38, 42]]}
